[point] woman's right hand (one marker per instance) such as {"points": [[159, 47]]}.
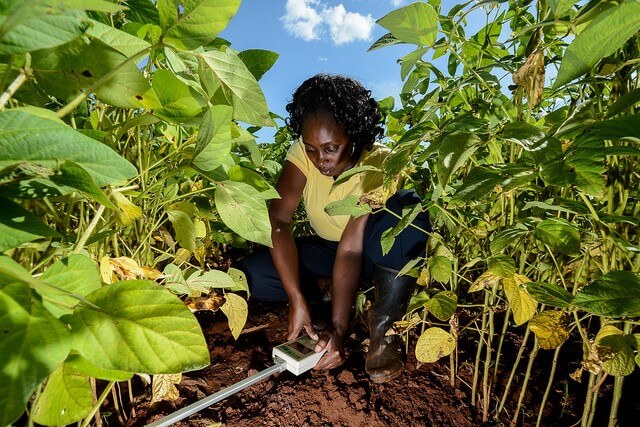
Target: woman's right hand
{"points": [[299, 319]]}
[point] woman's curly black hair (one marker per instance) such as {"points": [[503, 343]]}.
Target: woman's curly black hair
{"points": [[350, 104]]}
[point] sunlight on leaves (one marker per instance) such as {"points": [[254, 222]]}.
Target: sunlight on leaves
{"points": [[236, 310], [550, 328], [433, 344]]}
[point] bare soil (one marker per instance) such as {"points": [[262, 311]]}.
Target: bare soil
{"points": [[421, 396]]}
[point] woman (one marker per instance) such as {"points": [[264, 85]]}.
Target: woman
{"points": [[337, 122]]}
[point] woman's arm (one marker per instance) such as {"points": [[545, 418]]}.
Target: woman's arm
{"points": [[284, 252], [346, 275]]}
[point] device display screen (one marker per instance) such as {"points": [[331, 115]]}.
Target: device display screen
{"points": [[304, 350]]}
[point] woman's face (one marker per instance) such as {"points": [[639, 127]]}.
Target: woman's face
{"points": [[327, 144]]}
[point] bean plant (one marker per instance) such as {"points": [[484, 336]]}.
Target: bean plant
{"points": [[128, 168], [522, 137]]}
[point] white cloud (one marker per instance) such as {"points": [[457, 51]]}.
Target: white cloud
{"points": [[346, 27], [307, 20], [323, 59], [302, 20], [396, 3]]}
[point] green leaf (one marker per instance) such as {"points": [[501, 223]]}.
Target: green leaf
{"points": [[616, 294], [560, 235], [138, 327], [482, 181], [32, 344], [618, 128], [119, 40], [388, 237], [243, 209], [71, 174], [415, 23], [11, 271], [560, 7], [442, 305], [18, 226], [184, 228], [417, 301], [239, 86], [433, 344], [67, 398], [82, 365], [346, 176], [214, 129], [534, 140], [615, 25], [440, 268], [76, 274], [502, 265], [197, 22], [248, 176], [455, 150], [258, 61], [24, 136], [409, 61], [205, 281], [550, 328], [384, 41], [236, 310], [505, 238], [179, 101], [67, 70], [239, 280], [549, 294], [35, 25], [625, 102], [348, 206]]}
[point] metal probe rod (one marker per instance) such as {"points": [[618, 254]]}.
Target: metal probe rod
{"points": [[216, 397]]}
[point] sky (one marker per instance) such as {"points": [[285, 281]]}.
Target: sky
{"points": [[318, 36]]}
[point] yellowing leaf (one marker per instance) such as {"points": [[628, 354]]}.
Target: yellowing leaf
{"points": [[107, 275], [433, 344], [486, 279], [550, 327], [127, 211], [522, 304], [211, 302], [614, 351], [442, 305], [128, 268], [236, 310], [164, 387], [531, 77]]}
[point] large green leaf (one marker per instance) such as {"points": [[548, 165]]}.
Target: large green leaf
{"points": [[442, 305], [348, 206], [77, 66], [179, 101], [214, 129], [184, 229], [18, 226], [507, 237], [32, 344], [415, 23], [618, 128], [138, 326], [625, 102], [483, 180], [24, 136], [123, 42], [455, 150], [67, 398], [71, 174], [243, 209], [502, 265], [616, 294], [549, 294], [615, 350], [238, 84], [38, 24], [76, 274], [560, 7], [560, 235], [534, 140], [258, 61], [615, 25], [195, 23]]}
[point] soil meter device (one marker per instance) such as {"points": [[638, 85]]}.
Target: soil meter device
{"points": [[296, 356]]}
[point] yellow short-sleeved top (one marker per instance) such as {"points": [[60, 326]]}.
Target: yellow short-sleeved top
{"points": [[316, 193]]}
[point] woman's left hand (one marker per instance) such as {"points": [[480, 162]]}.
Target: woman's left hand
{"points": [[332, 341]]}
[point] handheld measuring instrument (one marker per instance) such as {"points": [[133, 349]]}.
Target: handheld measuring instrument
{"points": [[296, 356]]}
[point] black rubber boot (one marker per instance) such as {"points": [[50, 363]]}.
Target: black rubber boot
{"points": [[386, 356]]}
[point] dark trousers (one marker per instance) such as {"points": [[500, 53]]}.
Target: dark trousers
{"points": [[316, 255]]}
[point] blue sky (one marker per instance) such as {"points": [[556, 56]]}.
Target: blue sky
{"points": [[313, 36]]}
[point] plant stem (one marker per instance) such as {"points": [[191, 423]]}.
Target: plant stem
{"points": [[586, 412], [513, 370], [99, 403], [554, 364], [13, 87], [476, 366], [503, 333], [617, 389], [527, 375], [87, 233]]}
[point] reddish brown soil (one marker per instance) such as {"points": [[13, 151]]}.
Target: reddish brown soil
{"points": [[421, 396]]}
